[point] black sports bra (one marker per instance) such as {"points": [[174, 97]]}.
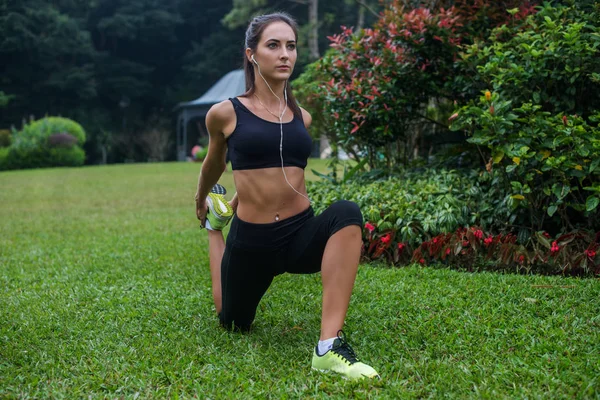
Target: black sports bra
{"points": [[254, 142]]}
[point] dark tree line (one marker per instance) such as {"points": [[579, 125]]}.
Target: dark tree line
{"points": [[120, 66]]}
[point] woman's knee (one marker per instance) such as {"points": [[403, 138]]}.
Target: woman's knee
{"points": [[235, 325], [346, 210]]}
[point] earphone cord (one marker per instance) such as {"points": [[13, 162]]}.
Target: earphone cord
{"points": [[281, 130]]}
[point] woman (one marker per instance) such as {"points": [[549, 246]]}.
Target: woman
{"points": [[274, 229]]}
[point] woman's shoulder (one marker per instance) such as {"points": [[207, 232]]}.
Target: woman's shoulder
{"points": [[306, 117], [222, 111], [221, 118]]}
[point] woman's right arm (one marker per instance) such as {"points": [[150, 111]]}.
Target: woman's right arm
{"points": [[217, 118]]}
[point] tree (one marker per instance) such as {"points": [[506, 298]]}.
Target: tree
{"points": [[311, 18]]}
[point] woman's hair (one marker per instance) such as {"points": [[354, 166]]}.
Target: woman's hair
{"points": [[253, 34]]}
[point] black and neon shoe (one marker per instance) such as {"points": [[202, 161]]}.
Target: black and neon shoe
{"points": [[219, 210], [342, 359]]}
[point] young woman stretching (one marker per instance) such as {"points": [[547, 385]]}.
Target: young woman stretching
{"points": [[274, 229]]}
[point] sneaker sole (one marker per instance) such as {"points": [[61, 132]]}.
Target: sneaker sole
{"points": [[329, 371], [222, 206]]}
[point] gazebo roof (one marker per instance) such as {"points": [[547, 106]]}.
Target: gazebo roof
{"points": [[231, 85]]}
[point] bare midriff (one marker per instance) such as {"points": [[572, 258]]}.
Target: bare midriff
{"points": [[265, 197]]}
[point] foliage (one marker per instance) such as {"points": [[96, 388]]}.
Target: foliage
{"points": [[418, 205], [43, 157], [4, 158], [472, 249], [540, 125], [481, 16], [419, 215], [200, 155], [574, 253], [112, 65], [155, 141], [400, 64], [62, 140], [5, 99], [553, 61], [552, 162], [39, 131], [389, 89], [48, 142], [5, 138]]}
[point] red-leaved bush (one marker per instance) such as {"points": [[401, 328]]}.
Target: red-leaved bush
{"points": [[575, 253]]}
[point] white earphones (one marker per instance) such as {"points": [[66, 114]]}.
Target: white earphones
{"points": [[280, 125]]}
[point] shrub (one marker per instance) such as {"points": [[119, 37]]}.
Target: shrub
{"points": [[550, 162], [42, 129], [200, 155], [4, 158], [420, 204], [40, 157], [49, 142], [574, 253], [387, 91], [381, 80], [5, 138], [553, 61], [457, 218], [62, 140], [538, 122]]}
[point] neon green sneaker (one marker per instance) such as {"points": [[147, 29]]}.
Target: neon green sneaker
{"points": [[342, 359], [219, 210]]}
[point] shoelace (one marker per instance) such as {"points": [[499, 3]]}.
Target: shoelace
{"points": [[344, 349]]}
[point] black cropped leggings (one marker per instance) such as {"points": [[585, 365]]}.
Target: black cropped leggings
{"points": [[256, 253]]}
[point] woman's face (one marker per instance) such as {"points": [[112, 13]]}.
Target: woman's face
{"points": [[276, 51]]}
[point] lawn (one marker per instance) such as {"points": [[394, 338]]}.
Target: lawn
{"points": [[105, 293]]}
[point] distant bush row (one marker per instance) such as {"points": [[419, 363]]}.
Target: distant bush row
{"points": [[48, 142]]}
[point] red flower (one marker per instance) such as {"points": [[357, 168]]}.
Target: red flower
{"points": [[488, 240], [521, 259], [564, 118], [478, 234], [400, 247], [547, 235], [555, 248], [422, 261], [435, 240], [448, 251], [590, 253], [370, 227], [386, 238]]}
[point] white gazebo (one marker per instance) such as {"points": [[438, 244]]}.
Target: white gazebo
{"points": [[231, 85]]}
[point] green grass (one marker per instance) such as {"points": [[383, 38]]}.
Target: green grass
{"points": [[105, 292]]}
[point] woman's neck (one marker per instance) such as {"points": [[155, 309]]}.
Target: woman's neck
{"points": [[264, 93]]}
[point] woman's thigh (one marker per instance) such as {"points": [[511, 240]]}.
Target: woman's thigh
{"points": [[246, 274], [305, 252]]}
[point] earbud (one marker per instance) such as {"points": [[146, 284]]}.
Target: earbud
{"points": [[255, 62]]}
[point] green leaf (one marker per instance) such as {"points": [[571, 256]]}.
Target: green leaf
{"points": [[498, 156], [594, 165], [323, 176], [552, 210], [543, 240], [348, 175], [591, 203]]}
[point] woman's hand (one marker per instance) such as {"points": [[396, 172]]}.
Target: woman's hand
{"points": [[201, 210]]}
